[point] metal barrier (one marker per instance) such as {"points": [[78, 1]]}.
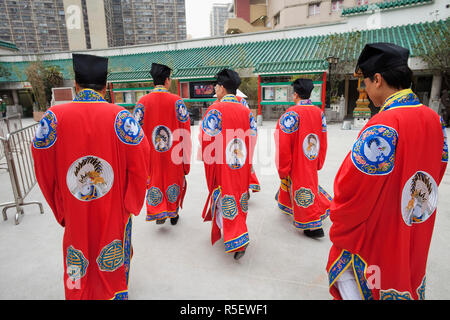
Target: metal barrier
{"points": [[7, 125], [19, 159]]}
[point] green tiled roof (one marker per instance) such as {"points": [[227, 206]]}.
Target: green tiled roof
{"points": [[386, 5], [292, 55], [8, 45]]}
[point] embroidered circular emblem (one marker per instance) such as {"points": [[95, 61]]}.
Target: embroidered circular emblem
{"points": [[89, 178], [374, 151], [45, 135], [162, 138], [111, 256], [236, 153], [154, 196], [244, 202], [76, 264], [419, 198], [289, 122], [324, 123], [181, 111], [311, 146], [304, 197], [229, 207], [253, 127], [128, 129], [172, 193], [138, 114], [212, 122]]}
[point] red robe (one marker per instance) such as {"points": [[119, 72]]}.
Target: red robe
{"points": [[301, 146], [165, 120], [385, 199], [226, 140], [254, 182], [90, 159]]}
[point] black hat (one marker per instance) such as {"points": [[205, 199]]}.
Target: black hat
{"points": [[90, 69], [379, 57], [160, 71], [229, 79], [303, 87]]}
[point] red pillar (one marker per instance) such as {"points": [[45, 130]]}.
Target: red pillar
{"points": [[324, 90], [259, 94], [178, 87], [111, 92]]}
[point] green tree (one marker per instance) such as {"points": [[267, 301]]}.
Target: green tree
{"points": [[433, 47], [42, 80], [346, 47]]}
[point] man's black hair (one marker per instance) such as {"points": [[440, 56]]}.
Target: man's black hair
{"points": [[397, 77]]}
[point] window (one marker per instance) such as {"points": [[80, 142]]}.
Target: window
{"points": [[313, 9], [362, 2], [276, 19], [336, 5]]}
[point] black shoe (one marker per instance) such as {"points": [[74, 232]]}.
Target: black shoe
{"points": [[161, 221], [316, 233], [238, 255], [173, 221]]}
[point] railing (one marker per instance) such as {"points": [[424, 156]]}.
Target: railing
{"points": [[19, 160], [8, 125]]}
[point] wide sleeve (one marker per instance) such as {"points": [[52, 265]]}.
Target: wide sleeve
{"points": [[323, 143], [43, 148], [211, 144], [253, 136], [135, 149], [360, 181], [186, 142], [285, 133]]}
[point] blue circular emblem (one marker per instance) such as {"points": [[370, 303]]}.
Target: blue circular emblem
{"points": [[45, 135], [229, 207], [212, 122], [374, 151], [304, 197], [76, 264], [244, 202], [154, 196], [128, 129], [181, 111], [138, 113], [111, 256], [172, 193], [289, 122], [253, 127]]}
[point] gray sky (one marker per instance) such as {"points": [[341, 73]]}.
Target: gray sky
{"points": [[197, 17]]}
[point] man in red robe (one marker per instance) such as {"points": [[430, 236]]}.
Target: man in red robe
{"points": [[386, 190], [91, 163], [226, 139], [301, 146], [165, 120], [254, 182]]}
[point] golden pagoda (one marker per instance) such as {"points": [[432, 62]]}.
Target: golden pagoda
{"points": [[362, 110]]}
